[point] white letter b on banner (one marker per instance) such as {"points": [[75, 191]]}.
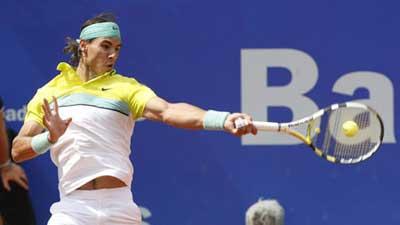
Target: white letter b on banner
{"points": [[257, 95]]}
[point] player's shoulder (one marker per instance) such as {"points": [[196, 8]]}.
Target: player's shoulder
{"points": [[125, 80], [60, 79], [50, 85]]}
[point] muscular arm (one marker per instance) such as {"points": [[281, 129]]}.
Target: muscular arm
{"points": [[22, 149], [181, 115], [4, 157]]}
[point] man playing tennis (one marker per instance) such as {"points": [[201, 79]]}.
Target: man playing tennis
{"points": [[88, 112]]}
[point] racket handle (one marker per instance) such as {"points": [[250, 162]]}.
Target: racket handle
{"points": [[264, 126]]}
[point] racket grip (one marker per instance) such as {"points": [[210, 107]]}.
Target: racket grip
{"points": [[267, 126], [260, 125]]}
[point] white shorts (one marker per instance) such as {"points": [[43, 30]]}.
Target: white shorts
{"points": [[96, 207]]}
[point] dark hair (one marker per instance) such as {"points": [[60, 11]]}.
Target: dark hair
{"points": [[72, 47]]}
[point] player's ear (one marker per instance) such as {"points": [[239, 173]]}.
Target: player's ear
{"points": [[83, 47]]}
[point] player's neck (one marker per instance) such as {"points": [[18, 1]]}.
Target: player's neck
{"points": [[85, 72]]}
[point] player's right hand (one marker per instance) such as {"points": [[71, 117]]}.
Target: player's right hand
{"points": [[248, 128]]}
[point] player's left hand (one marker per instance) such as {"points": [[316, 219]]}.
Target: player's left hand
{"points": [[230, 127], [53, 122]]}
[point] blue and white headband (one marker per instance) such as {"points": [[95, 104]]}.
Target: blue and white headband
{"points": [[105, 29]]}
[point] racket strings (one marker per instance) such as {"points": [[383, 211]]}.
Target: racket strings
{"points": [[333, 142], [363, 121], [327, 139], [344, 150], [331, 130], [338, 148]]}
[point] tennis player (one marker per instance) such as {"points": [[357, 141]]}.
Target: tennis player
{"points": [[86, 115]]}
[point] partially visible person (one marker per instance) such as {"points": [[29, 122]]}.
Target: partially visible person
{"points": [[15, 204], [265, 212]]}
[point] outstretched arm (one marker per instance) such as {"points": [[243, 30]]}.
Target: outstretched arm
{"points": [[183, 115]]}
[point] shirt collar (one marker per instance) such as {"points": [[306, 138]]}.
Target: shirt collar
{"points": [[69, 71]]}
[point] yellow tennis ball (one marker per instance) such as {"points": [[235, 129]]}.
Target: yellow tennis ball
{"points": [[350, 128]]}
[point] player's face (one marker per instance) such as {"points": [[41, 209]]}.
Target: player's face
{"points": [[101, 54]]}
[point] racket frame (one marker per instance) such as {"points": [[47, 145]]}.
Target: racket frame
{"points": [[307, 139]]}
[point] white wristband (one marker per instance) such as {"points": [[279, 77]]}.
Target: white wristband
{"points": [[214, 120], [40, 143]]}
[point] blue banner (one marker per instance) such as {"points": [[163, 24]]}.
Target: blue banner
{"points": [[275, 60]]}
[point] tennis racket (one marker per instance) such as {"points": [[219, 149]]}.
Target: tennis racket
{"points": [[345, 133]]}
